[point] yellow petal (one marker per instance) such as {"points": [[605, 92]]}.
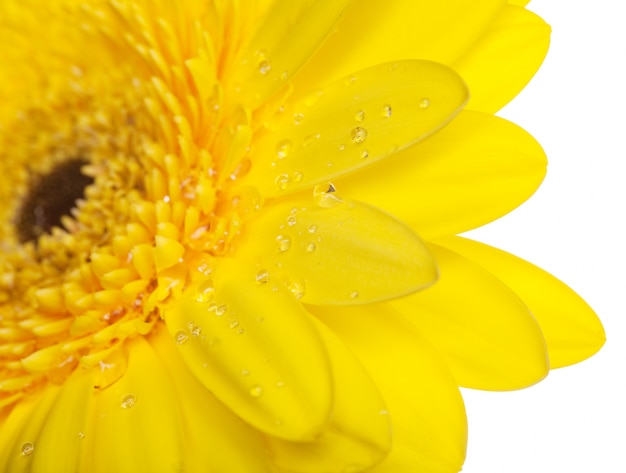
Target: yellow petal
{"points": [[519, 3], [20, 431], [422, 397], [133, 425], [290, 34], [373, 34], [214, 438], [254, 346], [61, 444], [336, 252], [505, 58], [359, 434], [571, 328], [486, 334], [354, 122], [475, 170]]}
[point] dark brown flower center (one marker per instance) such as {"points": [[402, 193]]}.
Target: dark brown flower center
{"points": [[51, 196]]}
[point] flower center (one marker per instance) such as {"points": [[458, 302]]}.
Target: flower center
{"points": [[51, 197]]}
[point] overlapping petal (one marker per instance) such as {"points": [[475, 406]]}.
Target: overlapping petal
{"points": [[486, 334], [571, 328], [475, 170]]}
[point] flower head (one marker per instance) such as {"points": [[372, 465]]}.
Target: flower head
{"points": [[213, 234]]}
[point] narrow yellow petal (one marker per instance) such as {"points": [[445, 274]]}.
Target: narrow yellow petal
{"points": [[333, 252], [505, 58], [422, 397], [370, 34], [486, 334], [133, 426], [571, 328], [475, 170], [252, 344], [290, 34], [354, 122], [359, 434], [214, 438]]}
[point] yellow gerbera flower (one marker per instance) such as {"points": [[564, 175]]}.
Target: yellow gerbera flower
{"points": [[209, 233]]}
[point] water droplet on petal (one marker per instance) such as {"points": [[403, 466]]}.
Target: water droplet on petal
{"points": [[129, 401], [424, 103], [365, 154], [234, 323], [349, 81], [196, 331], [386, 111], [325, 196], [354, 295], [283, 148], [282, 181], [264, 67], [310, 139], [312, 228], [284, 243], [256, 391], [205, 291], [263, 276], [310, 248], [221, 310], [297, 289], [292, 220], [359, 116], [298, 118], [341, 147], [28, 448], [297, 176], [358, 134], [81, 435], [181, 336]]}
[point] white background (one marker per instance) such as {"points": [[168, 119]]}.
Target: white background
{"points": [[575, 420]]}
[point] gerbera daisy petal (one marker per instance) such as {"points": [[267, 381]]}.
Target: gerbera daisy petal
{"points": [[212, 434], [331, 251], [571, 328], [268, 61], [359, 434], [504, 60], [354, 122], [231, 333], [438, 31], [428, 419], [487, 335], [475, 170]]}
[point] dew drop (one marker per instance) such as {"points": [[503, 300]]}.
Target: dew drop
{"points": [[424, 103], [221, 310], [297, 289], [129, 401], [325, 196], [354, 295], [349, 81], [341, 147], [234, 323], [298, 118], [28, 448], [365, 154], [262, 276], [284, 243], [359, 116], [312, 228], [282, 181], [283, 148], [181, 337], [297, 176], [386, 111], [358, 134], [264, 67], [310, 139], [196, 331], [205, 291], [310, 248], [256, 391], [81, 435], [292, 220]]}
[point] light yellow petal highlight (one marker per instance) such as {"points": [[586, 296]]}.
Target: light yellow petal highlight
{"points": [[486, 334], [372, 34], [254, 346], [137, 413], [354, 122], [475, 170], [214, 438], [570, 327], [291, 32], [423, 400], [504, 60], [359, 434], [337, 252]]}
